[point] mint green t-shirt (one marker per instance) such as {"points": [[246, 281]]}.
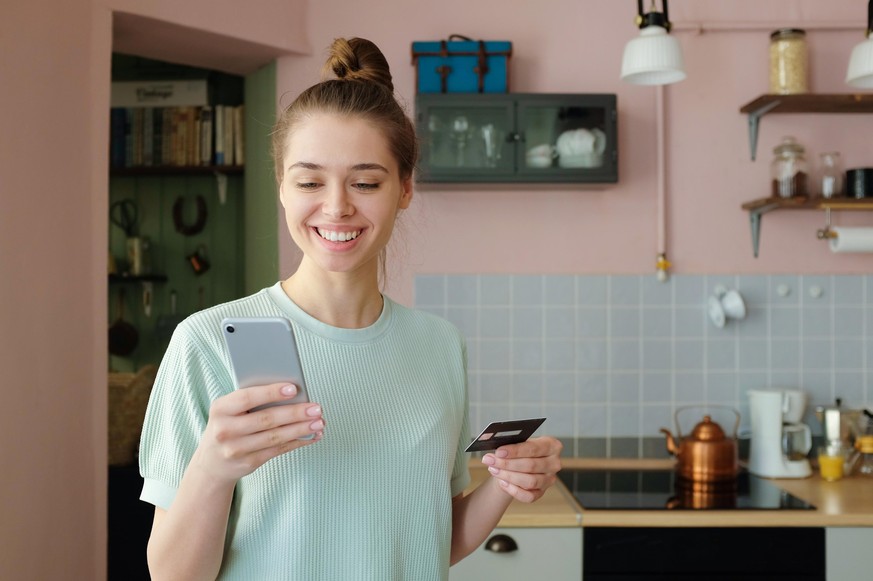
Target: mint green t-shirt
{"points": [[371, 500]]}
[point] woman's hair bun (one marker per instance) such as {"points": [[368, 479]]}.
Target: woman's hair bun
{"points": [[358, 59]]}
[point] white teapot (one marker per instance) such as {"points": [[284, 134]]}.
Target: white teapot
{"points": [[581, 148]]}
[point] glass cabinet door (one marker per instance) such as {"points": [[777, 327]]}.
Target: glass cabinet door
{"points": [[565, 135], [516, 137], [465, 138]]}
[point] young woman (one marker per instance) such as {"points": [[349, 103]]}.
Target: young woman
{"points": [[377, 494]]}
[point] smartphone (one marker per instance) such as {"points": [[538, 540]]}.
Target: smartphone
{"points": [[263, 350]]}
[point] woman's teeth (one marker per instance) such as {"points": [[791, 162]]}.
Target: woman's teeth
{"points": [[335, 236]]}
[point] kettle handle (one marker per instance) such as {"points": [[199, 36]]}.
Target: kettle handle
{"points": [[704, 408]]}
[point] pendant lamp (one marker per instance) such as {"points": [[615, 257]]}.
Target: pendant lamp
{"points": [[860, 73], [654, 57]]}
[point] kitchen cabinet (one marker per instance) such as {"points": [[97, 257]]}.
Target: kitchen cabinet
{"points": [[517, 137], [849, 554], [715, 553], [803, 103], [523, 554]]}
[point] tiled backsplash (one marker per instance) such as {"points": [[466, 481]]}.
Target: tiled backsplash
{"points": [[612, 357]]}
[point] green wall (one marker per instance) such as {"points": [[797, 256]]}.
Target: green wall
{"points": [[261, 214]]}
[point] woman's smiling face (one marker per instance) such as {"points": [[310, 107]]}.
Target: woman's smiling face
{"points": [[341, 191]]}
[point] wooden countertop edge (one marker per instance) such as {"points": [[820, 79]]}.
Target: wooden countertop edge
{"points": [[559, 509]]}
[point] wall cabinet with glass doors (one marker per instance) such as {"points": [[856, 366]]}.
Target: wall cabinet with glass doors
{"points": [[517, 137]]}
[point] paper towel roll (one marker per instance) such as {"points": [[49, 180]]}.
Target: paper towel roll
{"points": [[852, 240]]}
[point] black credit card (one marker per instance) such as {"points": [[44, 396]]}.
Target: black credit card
{"points": [[498, 434]]}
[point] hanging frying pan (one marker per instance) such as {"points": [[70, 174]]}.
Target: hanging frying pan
{"points": [[123, 336]]}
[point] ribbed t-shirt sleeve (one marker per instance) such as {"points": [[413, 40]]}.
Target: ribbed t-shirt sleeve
{"points": [[461, 470], [177, 412]]}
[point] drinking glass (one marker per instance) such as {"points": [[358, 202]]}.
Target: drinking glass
{"points": [[831, 175]]}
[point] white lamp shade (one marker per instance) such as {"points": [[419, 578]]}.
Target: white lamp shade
{"points": [[860, 73], [653, 58]]}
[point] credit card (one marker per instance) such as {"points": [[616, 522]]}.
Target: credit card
{"points": [[498, 434]]}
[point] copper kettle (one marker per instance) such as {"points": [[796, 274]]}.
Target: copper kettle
{"points": [[707, 454]]}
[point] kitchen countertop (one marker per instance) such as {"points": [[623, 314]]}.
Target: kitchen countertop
{"points": [[555, 509], [845, 503]]}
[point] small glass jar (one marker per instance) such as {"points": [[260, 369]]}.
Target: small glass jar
{"points": [[789, 62], [789, 169], [831, 175], [864, 445]]}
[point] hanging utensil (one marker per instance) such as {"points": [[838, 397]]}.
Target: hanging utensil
{"points": [[147, 292], [125, 214], [123, 337]]}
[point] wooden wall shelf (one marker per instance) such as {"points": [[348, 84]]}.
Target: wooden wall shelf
{"points": [[757, 208], [176, 170], [139, 278], [803, 103]]}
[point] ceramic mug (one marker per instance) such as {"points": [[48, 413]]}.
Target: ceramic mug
{"points": [[540, 155], [733, 304]]}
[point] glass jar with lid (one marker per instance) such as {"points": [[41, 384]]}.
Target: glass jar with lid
{"points": [[788, 62], [789, 169]]}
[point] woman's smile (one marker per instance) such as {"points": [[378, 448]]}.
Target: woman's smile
{"points": [[338, 235]]}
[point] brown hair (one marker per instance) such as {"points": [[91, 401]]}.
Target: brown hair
{"points": [[362, 88]]}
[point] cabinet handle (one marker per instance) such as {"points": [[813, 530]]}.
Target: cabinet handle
{"points": [[501, 544]]}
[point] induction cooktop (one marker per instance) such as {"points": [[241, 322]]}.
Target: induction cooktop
{"points": [[664, 490]]}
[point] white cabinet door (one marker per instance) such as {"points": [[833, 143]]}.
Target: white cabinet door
{"points": [[548, 553], [849, 554]]}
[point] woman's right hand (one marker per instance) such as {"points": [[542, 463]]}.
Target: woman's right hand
{"points": [[236, 441]]}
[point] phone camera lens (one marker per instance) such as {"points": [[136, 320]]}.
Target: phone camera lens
{"points": [[230, 329]]}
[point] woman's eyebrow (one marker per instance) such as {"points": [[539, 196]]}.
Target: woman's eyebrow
{"points": [[356, 167], [305, 165], [366, 166]]}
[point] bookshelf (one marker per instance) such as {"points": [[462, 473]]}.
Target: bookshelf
{"points": [[177, 145]]}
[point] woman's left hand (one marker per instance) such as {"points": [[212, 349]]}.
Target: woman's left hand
{"points": [[526, 470]]}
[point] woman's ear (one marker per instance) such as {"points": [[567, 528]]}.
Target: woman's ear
{"points": [[405, 194], [282, 192]]}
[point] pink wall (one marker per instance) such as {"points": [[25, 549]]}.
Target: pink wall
{"points": [[571, 46], [55, 71]]}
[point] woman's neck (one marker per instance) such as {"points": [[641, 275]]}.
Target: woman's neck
{"points": [[345, 300]]}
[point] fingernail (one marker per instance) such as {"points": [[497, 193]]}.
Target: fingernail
{"points": [[316, 425], [288, 389], [493, 470], [488, 460], [503, 483], [502, 453], [314, 411]]}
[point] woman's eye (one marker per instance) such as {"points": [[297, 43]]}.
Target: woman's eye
{"points": [[306, 185], [366, 187]]}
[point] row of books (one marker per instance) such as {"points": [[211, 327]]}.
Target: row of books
{"points": [[176, 136]]}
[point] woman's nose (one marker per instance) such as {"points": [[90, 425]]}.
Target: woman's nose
{"points": [[337, 203]]}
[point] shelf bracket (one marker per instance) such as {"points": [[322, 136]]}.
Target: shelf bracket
{"points": [[754, 118], [755, 222]]}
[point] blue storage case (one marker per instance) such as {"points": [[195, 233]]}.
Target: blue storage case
{"points": [[461, 65]]}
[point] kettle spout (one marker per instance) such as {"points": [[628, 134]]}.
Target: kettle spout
{"points": [[671, 442]]}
